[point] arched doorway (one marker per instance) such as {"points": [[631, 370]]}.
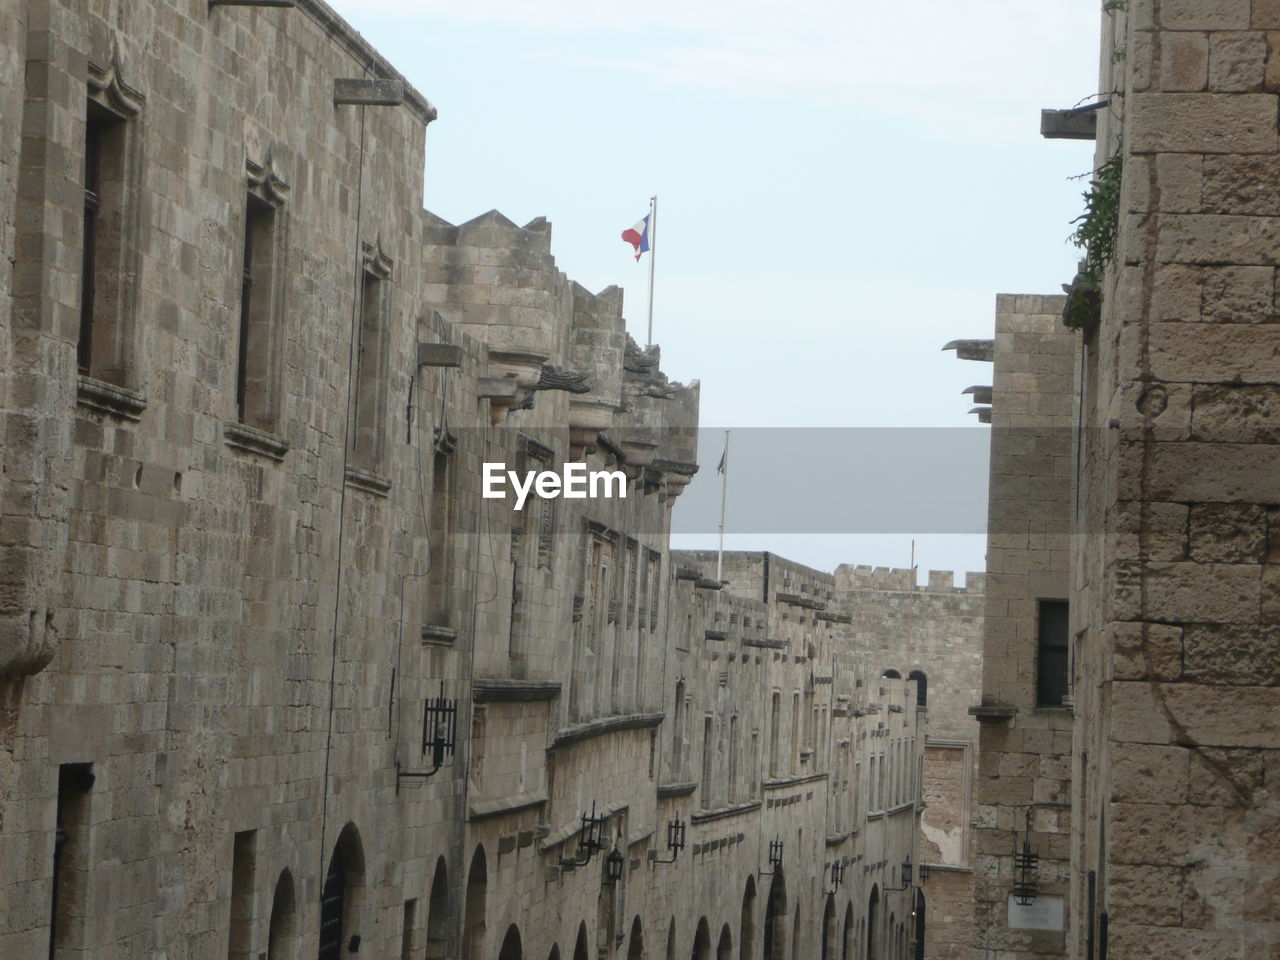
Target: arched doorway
{"points": [[873, 925], [847, 934], [511, 948], [775, 920], [724, 949], [702, 941], [922, 687], [671, 940], [891, 939], [795, 932], [438, 914], [635, 941], [580, 947], [747, 931], [555, 952], [476, 902], [341, 893], [280, 929], [828, 927], [919, 917]]}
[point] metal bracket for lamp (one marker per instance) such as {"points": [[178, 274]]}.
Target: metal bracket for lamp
{"points": [[675, 842], [775, 858], [439, 735], [1026, 868], [589, 840], [836, 870]]}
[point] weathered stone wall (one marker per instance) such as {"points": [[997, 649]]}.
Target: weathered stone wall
{"points": [[931, 634], [224, 612], [1025, 742], [1178, 715]]}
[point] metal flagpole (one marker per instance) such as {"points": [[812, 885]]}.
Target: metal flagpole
{"points": [[724, 489], [653, 251]]}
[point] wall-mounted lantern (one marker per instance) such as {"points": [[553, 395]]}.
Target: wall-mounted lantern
{"points": [[675, 841], [613, 866], [1026, 868], [836, 870], [906, 876], [775, 857], [590, 839], [439, 737]]}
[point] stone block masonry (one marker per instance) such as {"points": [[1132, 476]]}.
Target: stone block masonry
{"points": [[275, 678]]}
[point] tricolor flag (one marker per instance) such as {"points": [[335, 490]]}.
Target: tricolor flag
{"points": [[638, 236], [724, 460]]}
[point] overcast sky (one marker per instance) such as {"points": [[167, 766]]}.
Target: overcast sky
{"points": [[843, 187]]}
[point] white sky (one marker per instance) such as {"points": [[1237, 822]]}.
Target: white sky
{"points": [[843, 187]]}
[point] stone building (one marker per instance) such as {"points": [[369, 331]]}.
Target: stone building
{"points": [[1174, 827], [1023, 792], [276, 679]]}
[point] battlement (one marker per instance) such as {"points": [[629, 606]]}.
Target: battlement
{"points": [[866, 577]]}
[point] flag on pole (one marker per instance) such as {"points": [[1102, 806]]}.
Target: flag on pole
{"points": [[638, 236], [724, 460]]}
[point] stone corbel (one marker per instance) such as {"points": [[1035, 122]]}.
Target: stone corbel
{"points": [[264, 181], [114, 93]]}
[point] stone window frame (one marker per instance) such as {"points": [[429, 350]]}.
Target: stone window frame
{"points": [[109, 377], [260, 360], [441, 612], [1062, 650], [366, 445]]}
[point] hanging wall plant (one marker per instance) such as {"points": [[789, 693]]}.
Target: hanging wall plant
{"points": [[1095, 233]]}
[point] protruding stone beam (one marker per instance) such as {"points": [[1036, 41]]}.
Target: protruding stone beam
{"points": [[368, 93], [984, 414], [973, 349], [1078, 123], [439, 355], [979, 394]]}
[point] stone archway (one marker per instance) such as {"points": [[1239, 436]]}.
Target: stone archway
{"points": [[476, 903]]}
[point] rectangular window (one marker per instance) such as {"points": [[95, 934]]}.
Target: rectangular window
{"points": [[1051, 653], [440, 536], [255, 353], [677, 735], [775, 734], [104, 277], [707, 758], [243, 868], [71, 861], [368, 387], [733, 759], [407, 949]]}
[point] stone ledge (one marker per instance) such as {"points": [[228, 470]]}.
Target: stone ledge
{"points": [[501, 689], [437, 633], [108, 398], [799, 600], [596, 728], [768, 644], [793, 781], [240, 436], [719, 813], [368, 482], [483, 809], [668, 790], [987, 712]]}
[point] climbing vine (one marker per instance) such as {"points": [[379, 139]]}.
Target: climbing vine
{"points": [[1095, 233]]}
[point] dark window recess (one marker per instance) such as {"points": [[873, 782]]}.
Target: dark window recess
{"points": [[332, 905], [94, 130], [922, 687], [1052, 663], [253, 358], [69, 905]]}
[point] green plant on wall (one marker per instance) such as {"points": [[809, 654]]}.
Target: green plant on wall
{"points": [[1095, 233]]}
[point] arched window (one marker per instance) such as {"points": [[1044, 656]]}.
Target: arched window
{"points": [[747, 932], [828, 927], [724, 949], [511, 948], [873, 925], [340, 896], [671, 940], [919, 917], [280, 930], [922, 687], [438, 914], [477, 897], [702, 941], [891, 674], [580, 947], [847, 934], [635, 946], [775, 920]]}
